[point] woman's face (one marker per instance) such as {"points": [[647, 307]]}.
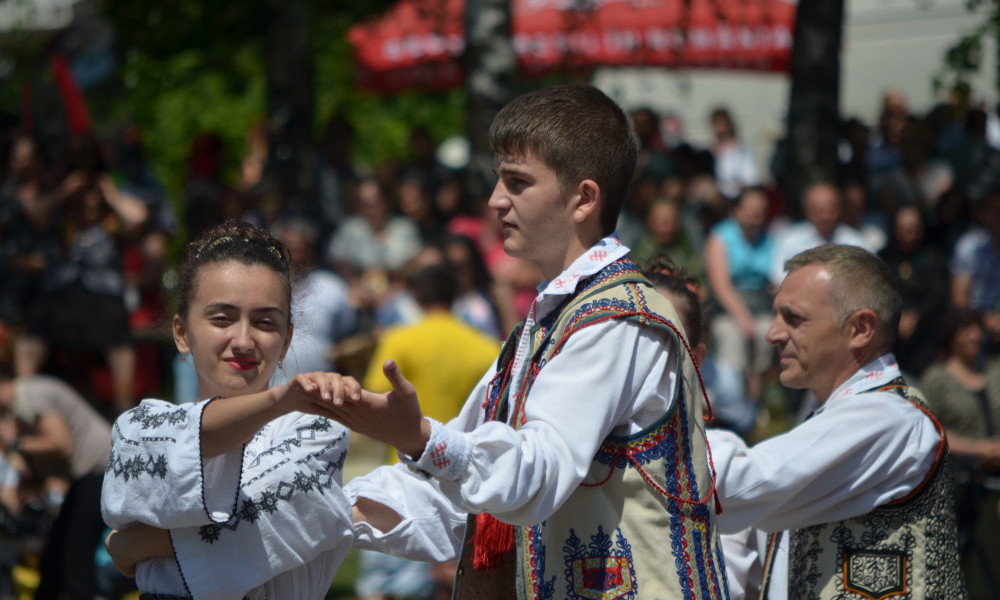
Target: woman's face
{"points": [[237, 328], [968, 341]]}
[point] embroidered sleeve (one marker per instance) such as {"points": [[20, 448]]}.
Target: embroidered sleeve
{"points": [[155, 472], [446, 455]]}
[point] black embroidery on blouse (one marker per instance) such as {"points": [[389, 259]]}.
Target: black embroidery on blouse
{"points": [[133, 468], [147, 418], [311, 478]]}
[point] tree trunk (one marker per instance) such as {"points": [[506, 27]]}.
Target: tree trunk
{"points": [[290, 104], [814, 104], [491, 68]]}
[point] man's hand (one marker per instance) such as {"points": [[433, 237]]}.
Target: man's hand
{"points": [[393, 418]]}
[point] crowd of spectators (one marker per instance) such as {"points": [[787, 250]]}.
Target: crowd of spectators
{"points": [[86, 227]]}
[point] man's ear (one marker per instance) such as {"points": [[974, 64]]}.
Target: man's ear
{"points": [[588, 201], [180, 335], [863, 325]]}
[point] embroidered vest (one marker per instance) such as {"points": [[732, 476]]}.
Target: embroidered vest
{"points": [[642, 523], [907, 549]]}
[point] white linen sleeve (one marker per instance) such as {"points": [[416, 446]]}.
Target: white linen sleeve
{"points": [[857, 453], [290, 510], [156, 475], [610, 377], [433, 527]]}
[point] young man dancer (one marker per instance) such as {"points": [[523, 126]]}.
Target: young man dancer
{"points": [[578, 465]]}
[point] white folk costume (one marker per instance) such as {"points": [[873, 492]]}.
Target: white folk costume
{"points": [[863, 488], [587, 437], [265, 520]]}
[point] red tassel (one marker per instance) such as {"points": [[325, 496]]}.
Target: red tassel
{"points": [[718, 502], [491, 540]]}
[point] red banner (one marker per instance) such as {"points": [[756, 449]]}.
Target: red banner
{"points": [[420, 42]]}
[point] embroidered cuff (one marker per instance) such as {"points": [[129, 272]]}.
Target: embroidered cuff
{"points": [[446, 455]]}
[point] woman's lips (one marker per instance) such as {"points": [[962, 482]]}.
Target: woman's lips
{"points": [[241, 365]]}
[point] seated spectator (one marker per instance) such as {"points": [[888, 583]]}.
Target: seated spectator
{"points": [[965, 397], [61, 435], [922, 269], [920, 178], [373, 239], [735, 167], [975, 265], [665, 236], [738, 258], [823, 209]]}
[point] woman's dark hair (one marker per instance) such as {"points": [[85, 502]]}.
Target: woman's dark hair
{"points": [[668, 277], [231, 241], [955, 319]]}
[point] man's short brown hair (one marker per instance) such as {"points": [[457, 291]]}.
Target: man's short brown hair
{"points": [[578, 132]]}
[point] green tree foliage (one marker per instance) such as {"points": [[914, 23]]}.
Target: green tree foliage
{"points": [[189, 66], [964, 58]]}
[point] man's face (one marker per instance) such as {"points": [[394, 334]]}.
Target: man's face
{"points": [[822, 209], [812, 345], [536, 215]]}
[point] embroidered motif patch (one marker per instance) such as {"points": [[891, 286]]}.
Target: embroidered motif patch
{"points": [[875, 574], [601, 569], [602, 577]]}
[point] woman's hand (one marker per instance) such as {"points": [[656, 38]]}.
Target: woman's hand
{"points": [[315, 392], [393, 418], [131, 546]]}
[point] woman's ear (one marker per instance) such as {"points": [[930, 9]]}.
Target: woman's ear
{"points": [[180, 335]]}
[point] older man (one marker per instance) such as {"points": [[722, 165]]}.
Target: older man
{"points": [[862, 488]]}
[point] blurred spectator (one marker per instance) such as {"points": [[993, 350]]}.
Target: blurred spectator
{"points": [[973, 161], [965, 397], [475, 299], [29, 211], [374, 238], [920, 178], [738, 258], [975, 265], [83, 304], [862, 215], [735, 167], [922, 270], [666, 236], [205, 192], [415, 202], [62, 436], [323, 314], [438, 338], [885, 153], [654, 162], [337, 178], [823, 208], [852, 151]]}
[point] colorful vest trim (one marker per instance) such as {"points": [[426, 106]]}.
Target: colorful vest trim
{"points": [[907, 549], [642, 523]]}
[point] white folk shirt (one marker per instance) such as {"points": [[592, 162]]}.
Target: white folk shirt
{"points": [[856, 452], [264, 520], [611, 377]]}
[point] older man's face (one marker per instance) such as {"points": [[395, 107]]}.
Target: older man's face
{"points": [[812, 345]]}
